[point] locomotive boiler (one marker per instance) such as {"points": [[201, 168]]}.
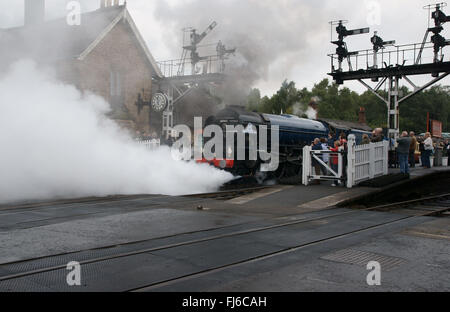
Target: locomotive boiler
{"points": [[293, 134]]}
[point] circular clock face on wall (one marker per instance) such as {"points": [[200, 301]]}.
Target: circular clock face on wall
{"points": [[159, 102]]}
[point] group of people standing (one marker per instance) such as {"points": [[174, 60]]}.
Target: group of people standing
{"points": [[337, 146], [330, 159], [406, 149], [427, 148]]}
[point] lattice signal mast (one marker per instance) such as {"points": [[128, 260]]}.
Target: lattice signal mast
{"points": [[392, 64]]}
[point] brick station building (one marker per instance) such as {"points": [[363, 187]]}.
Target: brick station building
{"points": [[105, 54]]}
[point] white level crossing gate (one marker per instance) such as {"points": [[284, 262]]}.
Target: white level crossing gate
{"points": [[364, 162], [327, 172]]}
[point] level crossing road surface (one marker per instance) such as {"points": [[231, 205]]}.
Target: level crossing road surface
{"points": [[282, 238]]}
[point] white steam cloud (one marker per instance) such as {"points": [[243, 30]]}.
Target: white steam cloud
{"points": [[57, 143], [304, 110]]}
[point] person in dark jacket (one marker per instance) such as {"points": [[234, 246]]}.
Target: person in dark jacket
{"points": [[412, 150], [343, 138], [421, 150], [404, 143], [330, 141], [447, 148]]}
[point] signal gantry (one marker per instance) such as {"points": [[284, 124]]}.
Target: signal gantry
{"points": [[390, 62]]}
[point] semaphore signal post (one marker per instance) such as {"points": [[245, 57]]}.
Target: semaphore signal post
{"points": [[182, 76], [387, 62]]}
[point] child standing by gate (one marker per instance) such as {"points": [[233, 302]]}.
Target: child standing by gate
{"points": [[335, 160]]}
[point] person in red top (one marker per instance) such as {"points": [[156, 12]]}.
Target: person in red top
{"points": [[334, 159]]}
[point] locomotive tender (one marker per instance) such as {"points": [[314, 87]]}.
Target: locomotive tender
{"points": [[294, 134]]}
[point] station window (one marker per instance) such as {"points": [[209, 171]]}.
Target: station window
{"points": [[115, 84], [116, 88]]}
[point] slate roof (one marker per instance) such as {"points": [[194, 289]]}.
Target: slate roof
{"points": [[55, 40]]}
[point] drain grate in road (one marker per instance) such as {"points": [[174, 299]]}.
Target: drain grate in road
{"points": [[362, 258]]}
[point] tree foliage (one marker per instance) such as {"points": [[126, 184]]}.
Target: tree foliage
{"points": [[337, 102]]}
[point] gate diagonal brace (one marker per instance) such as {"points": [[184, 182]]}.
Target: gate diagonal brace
{"points": [[336, 175], [339, 175]]}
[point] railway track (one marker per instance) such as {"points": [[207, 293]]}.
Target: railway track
{"points": [[100, 205], [426, 206], [225, 194], [435, 205], [228, 194], [74, 201]]}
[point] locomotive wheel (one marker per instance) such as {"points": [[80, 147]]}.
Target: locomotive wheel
{"points": [[292, 174], [260, 176]]}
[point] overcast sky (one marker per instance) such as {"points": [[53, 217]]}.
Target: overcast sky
{"points": [[282, 39]]}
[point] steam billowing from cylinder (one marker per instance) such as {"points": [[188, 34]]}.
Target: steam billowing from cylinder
{"points": [[56, 143]]}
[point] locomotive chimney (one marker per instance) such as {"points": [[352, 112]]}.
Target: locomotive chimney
{"points": [[362, 115], [34, 12], [313, 110]]}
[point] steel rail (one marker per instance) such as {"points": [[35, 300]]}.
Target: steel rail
{"points": [[116, 198]]}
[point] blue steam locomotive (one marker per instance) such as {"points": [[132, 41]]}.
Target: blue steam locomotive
{"points": [[294, 134]]}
